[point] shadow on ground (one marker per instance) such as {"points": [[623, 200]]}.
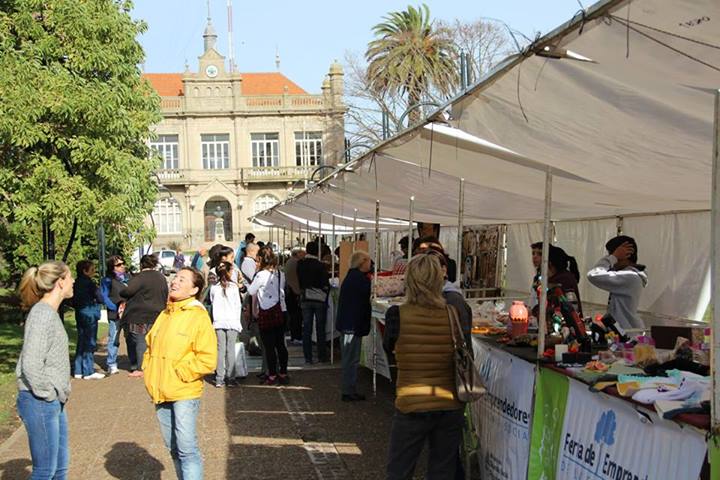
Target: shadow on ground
{"points": [[129, 461], [14, 469]]}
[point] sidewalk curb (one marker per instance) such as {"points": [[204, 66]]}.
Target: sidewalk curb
{"points": [[7, 444]]}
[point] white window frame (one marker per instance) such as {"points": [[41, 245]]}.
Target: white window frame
{"points": [[308, 149], [166, 146], [167, 216], [215, 151], [263, 202], [265, 149]]}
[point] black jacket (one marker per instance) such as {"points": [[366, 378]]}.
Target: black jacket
{"points": [[146, 294], [86, 293], [354, 308], [312, 274]]}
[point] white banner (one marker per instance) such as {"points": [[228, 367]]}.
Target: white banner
{"points": [[366, 356], [504, 415], [605, 438]]}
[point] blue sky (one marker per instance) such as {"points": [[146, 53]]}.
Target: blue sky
{"points": [[310, 34]]}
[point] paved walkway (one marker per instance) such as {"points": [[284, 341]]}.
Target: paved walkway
{"points": [[301, 431]]}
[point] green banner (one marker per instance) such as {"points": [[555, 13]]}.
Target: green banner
{"points": [[551, 392], [714, 456]]}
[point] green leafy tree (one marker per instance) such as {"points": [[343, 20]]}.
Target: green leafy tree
{"points": [[411, 57], [75, 118]]}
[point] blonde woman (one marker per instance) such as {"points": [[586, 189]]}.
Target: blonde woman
{"points": [[43, 369], [426, 408]]}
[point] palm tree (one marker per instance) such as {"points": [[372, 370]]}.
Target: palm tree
{"points": [[410, 56]]}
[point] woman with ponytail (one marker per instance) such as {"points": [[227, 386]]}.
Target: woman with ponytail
{"points": [[562, 270], [43, 369], [226, 313]]}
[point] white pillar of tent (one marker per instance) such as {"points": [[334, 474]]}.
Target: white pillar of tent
{"points": [[374, 291], [461, 220], [332, 276], [410, 227], [542, 325], [354, 234], [715, 266], [319, 239], [292, 236]]}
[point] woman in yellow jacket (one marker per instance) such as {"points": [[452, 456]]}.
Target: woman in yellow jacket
{"points": [[181, 349]]}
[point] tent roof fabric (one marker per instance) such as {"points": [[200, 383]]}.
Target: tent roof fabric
{"points": [[627, 132]]}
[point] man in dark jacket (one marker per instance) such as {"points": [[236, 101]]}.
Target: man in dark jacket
{"points": [[314, 288], [353, 321]]}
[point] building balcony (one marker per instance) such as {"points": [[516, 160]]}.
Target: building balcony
{"points": [[275, 174], [244, 104], [243, 175]]}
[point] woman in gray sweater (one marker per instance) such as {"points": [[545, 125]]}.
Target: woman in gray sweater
{"points": [[43, 369]]}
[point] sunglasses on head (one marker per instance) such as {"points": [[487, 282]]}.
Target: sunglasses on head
{"points": [[121, 264]]}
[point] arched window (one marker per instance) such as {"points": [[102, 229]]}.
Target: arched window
{"points": [[263, 202], [167, 216]]}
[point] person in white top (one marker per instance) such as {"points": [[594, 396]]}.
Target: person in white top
{"points": [[620, 274], [269, 288], [226, 311]]}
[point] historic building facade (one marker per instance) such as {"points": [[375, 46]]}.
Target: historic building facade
{"points": [[233, 144]]}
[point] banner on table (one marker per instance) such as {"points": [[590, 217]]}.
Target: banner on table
{"points": [[551, 394], [605, 438], [503, 416], [366, 355]]}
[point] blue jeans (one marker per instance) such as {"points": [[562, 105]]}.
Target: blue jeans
{"points": [[112, 350], [46, 425], [86, 319], [177, 425], [318, 311], [350, 349]]}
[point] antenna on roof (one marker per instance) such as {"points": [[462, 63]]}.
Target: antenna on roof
{"points": [[208, 7], [277, 58], [231, 58]]}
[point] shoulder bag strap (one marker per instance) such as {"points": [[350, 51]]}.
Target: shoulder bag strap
{"points": [[452, 317]]}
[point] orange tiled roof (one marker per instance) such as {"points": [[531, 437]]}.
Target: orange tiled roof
{"points": [[166, 84], [274, 83]]}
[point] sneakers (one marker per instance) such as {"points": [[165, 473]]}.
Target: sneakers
{"points": [[94, 376], [136, 374], [113, 369], [283, 379], [270, 381], [219, 385], [78, 376]]}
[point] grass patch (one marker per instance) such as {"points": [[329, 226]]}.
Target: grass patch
{"points": [[11, 339]]}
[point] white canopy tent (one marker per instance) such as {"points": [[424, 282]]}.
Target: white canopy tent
{"points": [[609, 115]]}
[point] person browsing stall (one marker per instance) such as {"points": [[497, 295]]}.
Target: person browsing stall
{"points": [[619, 274]]}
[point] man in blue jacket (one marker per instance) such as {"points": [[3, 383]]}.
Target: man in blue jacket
{"points": [[353, 320]]}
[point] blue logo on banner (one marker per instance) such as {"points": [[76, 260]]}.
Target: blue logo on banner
{"points": [[605, 428]]}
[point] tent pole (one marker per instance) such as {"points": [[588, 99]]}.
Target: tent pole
{"points": [[307, 227], [715, 266], [292, 238], [461, 220], [410, 227], [374, 292], [542, 325], [332, 276], [354, 235]]}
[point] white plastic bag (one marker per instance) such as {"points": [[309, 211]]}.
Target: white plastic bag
{"points": [[241, 367]]}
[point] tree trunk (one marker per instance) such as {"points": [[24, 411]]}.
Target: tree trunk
{"points": [[71, 240]]}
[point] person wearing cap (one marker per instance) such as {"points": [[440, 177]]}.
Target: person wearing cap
{"points": [[619, 274]]}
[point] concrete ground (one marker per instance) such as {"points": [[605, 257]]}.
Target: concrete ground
{"points": [[301, 431]]}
